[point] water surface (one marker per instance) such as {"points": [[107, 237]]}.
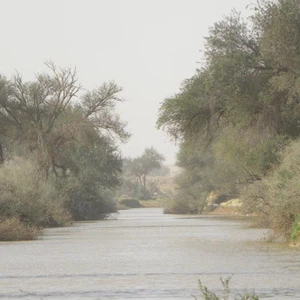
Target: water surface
{"points": [[143, 254]]}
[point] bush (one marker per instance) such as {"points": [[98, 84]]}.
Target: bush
{"points": [[276, 198], [131, 203], [183, 206], [14, 230], [177, 206], [28, 197], [295, 234], [87, 201], [186, 203]]}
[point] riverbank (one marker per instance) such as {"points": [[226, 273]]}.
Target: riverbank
{"points": [[152, 203], [230, 207], [123, 204]]}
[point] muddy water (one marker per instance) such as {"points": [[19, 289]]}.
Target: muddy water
{"points": [[143, 254]]}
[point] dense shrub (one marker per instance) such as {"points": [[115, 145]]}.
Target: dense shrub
{"points": [[87, 201], [26, 198], [185, 203], [295, 233], [276, 198], [177, 207], [15, 230], [131, 203]]}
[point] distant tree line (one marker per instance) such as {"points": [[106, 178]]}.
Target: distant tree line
{"points": [[135, 183], [237, 120]]}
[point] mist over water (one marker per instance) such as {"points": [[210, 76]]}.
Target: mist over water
{"points": [[143, 254]]}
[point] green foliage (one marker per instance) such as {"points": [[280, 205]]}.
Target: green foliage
{"points": [[276, 198], [136, 173], [295, 234], [184, 203], [96, 167], [143, 165], [87, 201], [73, 138], [25, 195], [131, 203], [235, 116]]}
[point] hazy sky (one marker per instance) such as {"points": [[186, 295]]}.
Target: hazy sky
{"points": [[147, 46]]}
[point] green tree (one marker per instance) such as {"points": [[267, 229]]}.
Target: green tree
{"points": [[69, 133], [136, 172], [141, 166], [235, 115]]}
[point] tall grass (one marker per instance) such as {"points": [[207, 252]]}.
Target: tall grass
{"points": [[226, 294], [276, 198], [13, 229], [27, 201]]}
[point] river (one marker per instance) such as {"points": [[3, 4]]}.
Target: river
{"points": [[144, 254]]}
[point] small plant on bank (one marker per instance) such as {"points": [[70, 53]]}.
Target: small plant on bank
{"points": [[12, 229], [209, 295], [295, 234]]}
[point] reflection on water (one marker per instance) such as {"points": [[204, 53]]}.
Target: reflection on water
{"points": [[143, 254]]}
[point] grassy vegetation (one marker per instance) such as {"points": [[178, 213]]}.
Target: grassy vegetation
{"points": [[275, 199], [295, 234], [160, 202], [28, 202], [13, 229], [209, 295], [125, 203]]}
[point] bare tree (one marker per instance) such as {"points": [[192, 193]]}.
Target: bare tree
{"points": [[47, 114]]}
